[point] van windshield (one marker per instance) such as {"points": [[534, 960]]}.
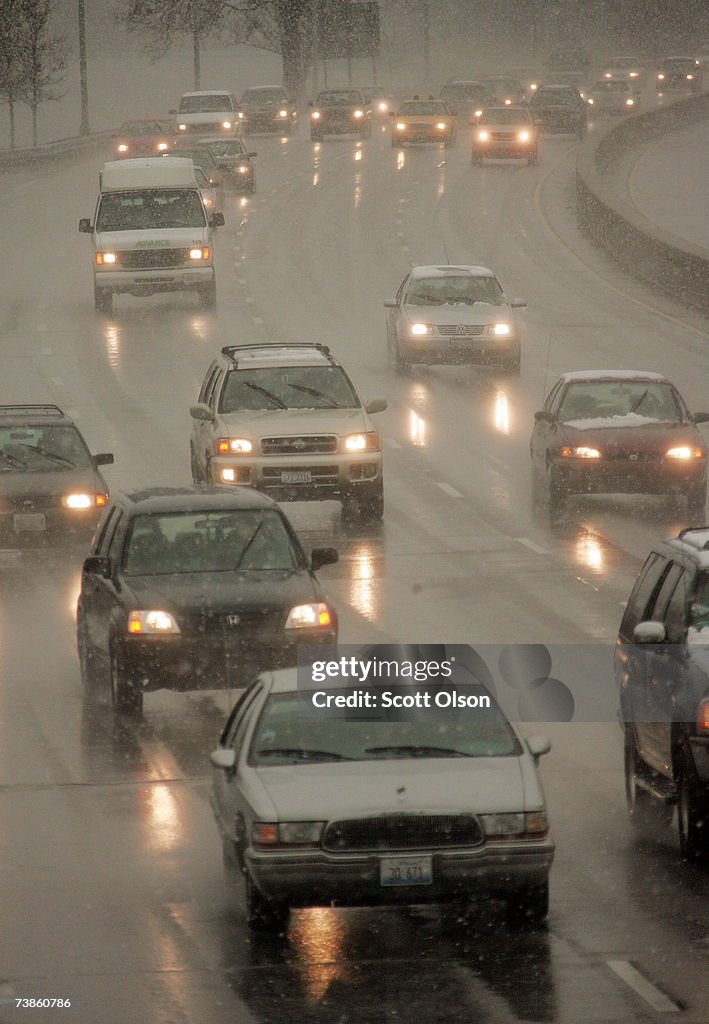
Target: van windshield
{"points": [[153, 208]]}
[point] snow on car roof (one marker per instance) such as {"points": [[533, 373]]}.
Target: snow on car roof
{"points": [[299, 355], [447, 270], [207, 92], [611, 375]]}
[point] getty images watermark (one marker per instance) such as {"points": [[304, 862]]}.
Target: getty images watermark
{"points": [[529, 682]]}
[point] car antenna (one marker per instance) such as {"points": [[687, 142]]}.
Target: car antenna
{"points": [[445, 249]]}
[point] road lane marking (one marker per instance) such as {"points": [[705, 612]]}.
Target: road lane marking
{"points": [[531, 545], [450, 491], [642, 987]]}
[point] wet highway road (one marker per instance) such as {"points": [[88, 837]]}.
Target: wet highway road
{"points": [[112, 892]]}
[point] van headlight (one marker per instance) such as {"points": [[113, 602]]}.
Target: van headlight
{"points": [[103, 258]]}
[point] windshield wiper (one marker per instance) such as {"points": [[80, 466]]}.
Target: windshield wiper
{"points": [[50, 455], [268, 394], [303, 755], [418, 751], [636, 405], [315, 393], [12, 460], [246, 547]]}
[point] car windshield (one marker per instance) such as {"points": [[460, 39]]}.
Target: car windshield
{"points": [[42, 448], [144, 128], [228, 147], [555, 97], [455, 289], [338, 99], [288, 387], [422, 108], [610, 87], [609, 400], [205, 104], [256, 96], [156, 208], [505, 115], [244, 540], [285, 735]]}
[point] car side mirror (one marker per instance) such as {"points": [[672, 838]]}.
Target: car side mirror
{"points": [[323, 556], [390, 304], [251, 155], [216, 220], [518, 303], [98, 565], [649, 633], [538, 746], [85, 226], [103, 459], [376, 405], [202, 412], [224, 759], [543, 416], [701, 417]]}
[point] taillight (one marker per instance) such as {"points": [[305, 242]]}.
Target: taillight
{"points": [[703, 716]]}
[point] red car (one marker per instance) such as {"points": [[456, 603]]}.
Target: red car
{"points": [[147, 136], [615, 431]]}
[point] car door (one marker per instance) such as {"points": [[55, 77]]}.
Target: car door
{"points": [[396, 317], [228, 803], [630, 658], [98, 593], [202, 431], [545, 431]]}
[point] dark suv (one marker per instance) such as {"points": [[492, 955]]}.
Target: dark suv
{"points": [[559, 108], [662, 671], [195, 588]]}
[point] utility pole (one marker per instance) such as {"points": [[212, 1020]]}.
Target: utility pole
{"points": [[84, 126], [426, 44]]}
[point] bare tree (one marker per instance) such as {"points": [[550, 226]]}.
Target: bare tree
{"points": [[10, 59], [43, 56], [165, 21]]}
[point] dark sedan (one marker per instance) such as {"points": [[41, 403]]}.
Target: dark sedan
{"points": [[559, 108], [143, 137], [679, 73], [267, 108], [51, 491], [340, 110], [610, 432], [195, 588], [234, 162]]}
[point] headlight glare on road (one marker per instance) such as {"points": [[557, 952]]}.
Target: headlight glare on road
{"points": [[684, 452], [154, 620], [78, 500], [234, 446], [580, 452], [309, 616], [501, 329], [420, 329], [367, 442]]}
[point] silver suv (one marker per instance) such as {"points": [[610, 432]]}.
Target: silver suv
{"points": [[286, 419]]}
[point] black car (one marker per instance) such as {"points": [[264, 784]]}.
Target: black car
{"points": [[195, 588], [466, 99], [559, 108], [267, 108], [199, 152], [662, 672], [51, 491], [340, 110], [235, 163], [679, 73]]}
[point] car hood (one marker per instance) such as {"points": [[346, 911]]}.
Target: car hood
{"points": [[459, 313], [224, 591], [440, 786], [272, 422], [151, 238], [632, 432], [206, 117], [49, 482]]}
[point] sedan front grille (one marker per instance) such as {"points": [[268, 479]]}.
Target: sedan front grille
{"points": [[307, 444], [403, 832], [235, 626], [503, 136], [462, 330], [151, 259]]}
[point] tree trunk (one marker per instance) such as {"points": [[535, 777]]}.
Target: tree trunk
{"points": [[35, 106], [195, 58], [11, 109], [289, 14]]}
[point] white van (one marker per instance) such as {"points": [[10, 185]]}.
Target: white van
{"points": [[211, 112], [151, 232]]}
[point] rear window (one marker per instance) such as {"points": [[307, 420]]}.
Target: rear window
{"points": [[339, 99], [505, 115], [264, 96], [205, 104]]}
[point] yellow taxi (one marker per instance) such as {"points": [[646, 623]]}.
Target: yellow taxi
{"points": [[419, 120]]}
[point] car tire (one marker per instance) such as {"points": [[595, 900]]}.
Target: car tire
{"points": [[637, 799], [532, 158], [197, 477], [126, 695], [261, 914], [103, 299], [316, 136], [696, 504], [529, 907], [208, 295], [513, 365], [87, 665], [400, 363], [365, 502], [556, 496], [692, 814]]}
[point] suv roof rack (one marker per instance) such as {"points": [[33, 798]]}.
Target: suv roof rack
{"points": [[700, 543], [232, 351], [34, 410]]}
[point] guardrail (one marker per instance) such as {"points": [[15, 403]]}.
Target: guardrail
{"points": [[59, 150], [669, 263]]}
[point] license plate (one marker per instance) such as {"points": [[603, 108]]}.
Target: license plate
{"points": [[30, 522], [405, 871], [295, 476]]}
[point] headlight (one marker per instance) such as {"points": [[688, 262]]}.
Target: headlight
{"points": [[241, 115], [501, 827], [400, 126], [283, 113], [234, 446], [243, 169], [441, 125], [533, 86], [684, 452], [690, 77], [523, 136], [581, 452], [608, 75], [420, 329], [661, 76], [367, 442], [123, 148], [315, 115], [629, 103], [359, 113], [153, 621], [78, 500], [500, 329], [226, 124], [207, 202], [633, 74], [200, 254], [590, 100], [383, 106], [309, 616], [105, 257], [483, 136], [478, 113], [182, 127], [508, 103], [286, 833], [162, 146]]}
